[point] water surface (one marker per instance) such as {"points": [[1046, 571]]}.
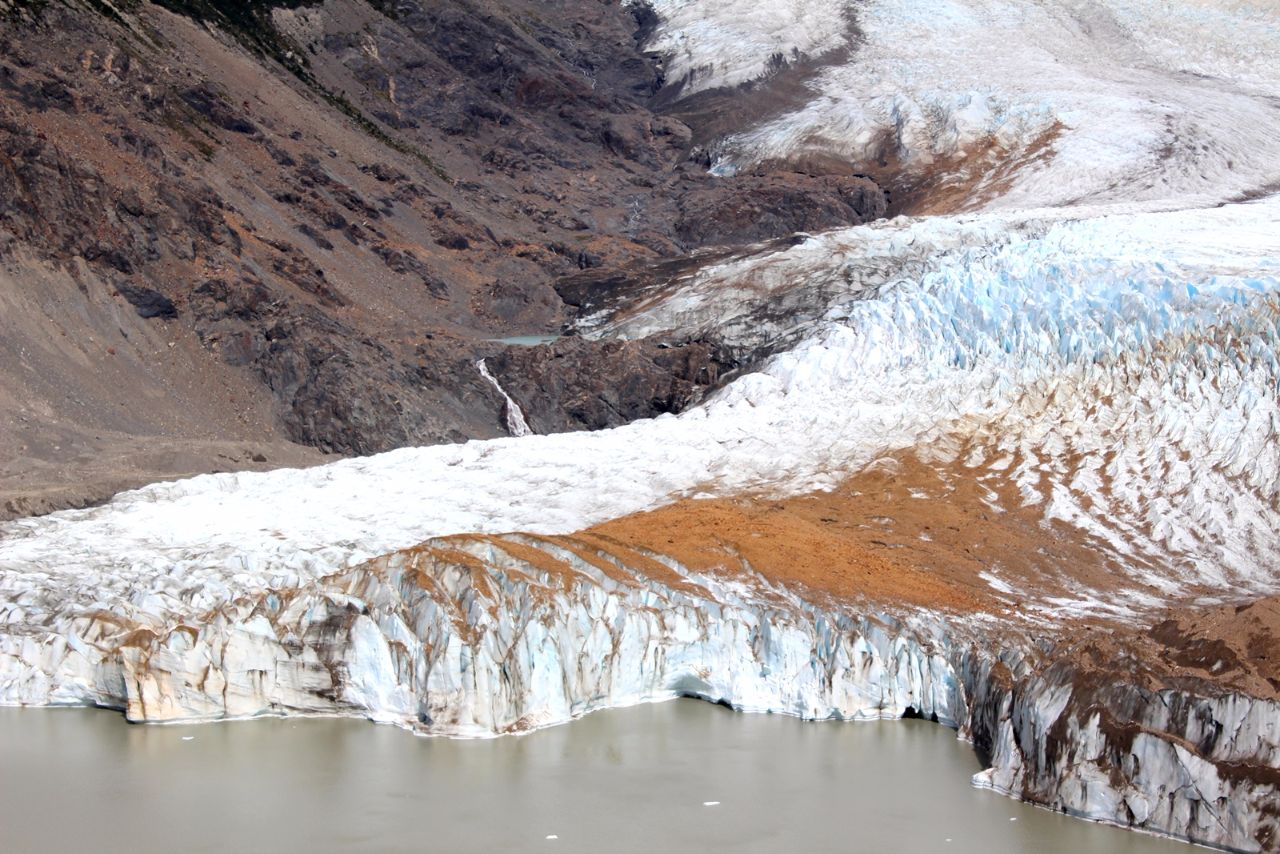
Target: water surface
{"points": [[634, 780], [527, 340]]}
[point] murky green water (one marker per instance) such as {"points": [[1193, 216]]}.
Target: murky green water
{"points": [[628, 780]]}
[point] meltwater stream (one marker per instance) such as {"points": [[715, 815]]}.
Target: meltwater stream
{"points": [[678, 776]]}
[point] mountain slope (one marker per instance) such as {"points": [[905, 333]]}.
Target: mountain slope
{"points": [[230, 229]]}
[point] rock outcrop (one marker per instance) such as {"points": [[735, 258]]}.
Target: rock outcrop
{"points": [[575, 383]]}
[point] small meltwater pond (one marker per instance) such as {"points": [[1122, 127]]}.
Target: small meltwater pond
{"points": [[672, 777], [527, 340]]}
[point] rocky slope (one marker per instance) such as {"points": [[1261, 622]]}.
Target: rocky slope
{"points": [[234, 230]]}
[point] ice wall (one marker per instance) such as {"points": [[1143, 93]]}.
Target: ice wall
{"points": [[479, 636], [1074, 738], [483, 636]]}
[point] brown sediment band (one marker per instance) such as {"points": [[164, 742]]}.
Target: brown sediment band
{"points": [[904, 532], [810, 542]]}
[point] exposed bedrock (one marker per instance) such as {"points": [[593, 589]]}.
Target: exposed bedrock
{"points": [[758, 207], [574, 383], [487, 635]]}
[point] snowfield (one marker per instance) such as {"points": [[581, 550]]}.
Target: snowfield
{"points": [[1024, 104]]}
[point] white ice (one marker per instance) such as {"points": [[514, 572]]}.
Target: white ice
{"points": [[1032, 102], [731, 41]]}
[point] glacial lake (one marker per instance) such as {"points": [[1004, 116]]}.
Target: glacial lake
{"points": [[682, 776], [527, 340]]}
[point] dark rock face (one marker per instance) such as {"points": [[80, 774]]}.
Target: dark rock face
{"points": [[341, 204], [207, 103], [574, 384], [758, 207], [149, 303]]}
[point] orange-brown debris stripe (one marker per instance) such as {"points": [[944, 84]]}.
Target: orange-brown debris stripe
{"points": [[902, 533], [906, 534], [784, 542]]}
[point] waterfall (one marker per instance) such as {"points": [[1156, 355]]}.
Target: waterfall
{"points": [[516, 425]]}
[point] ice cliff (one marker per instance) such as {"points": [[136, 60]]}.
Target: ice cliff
{"points": [[488, 635]]}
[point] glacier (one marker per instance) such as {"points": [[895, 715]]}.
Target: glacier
{"points": [[1023, 104], [1009, 346], [1095, 327]]}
